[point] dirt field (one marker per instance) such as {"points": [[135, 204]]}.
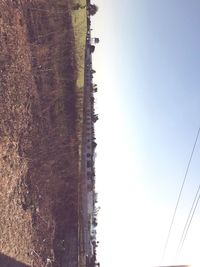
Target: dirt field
{"points": [[38, 132]]}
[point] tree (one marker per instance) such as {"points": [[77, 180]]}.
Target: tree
{"points": [[92, 48], [93, 71], [96, 40], [95, 117], [93, 9]]}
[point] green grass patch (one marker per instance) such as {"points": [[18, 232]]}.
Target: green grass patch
{"points": [[79, 22]]}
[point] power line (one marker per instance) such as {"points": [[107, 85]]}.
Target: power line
{"points": [[184, 233], [188, 226], [179, 196]]}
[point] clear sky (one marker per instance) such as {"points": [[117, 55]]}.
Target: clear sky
{"points": [[148, 100]]}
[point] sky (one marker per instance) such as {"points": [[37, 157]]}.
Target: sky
{"points": [[147, 63]]}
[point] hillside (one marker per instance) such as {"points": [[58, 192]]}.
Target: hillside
{"points": [[40, 96]]}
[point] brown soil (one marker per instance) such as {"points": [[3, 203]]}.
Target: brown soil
{"points": [[38, 143]]}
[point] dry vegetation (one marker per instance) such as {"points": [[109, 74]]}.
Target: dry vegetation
{"points": [[38, 131]]}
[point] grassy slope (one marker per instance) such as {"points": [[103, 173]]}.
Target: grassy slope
{"points": [[38, 133], [79, 22]]}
